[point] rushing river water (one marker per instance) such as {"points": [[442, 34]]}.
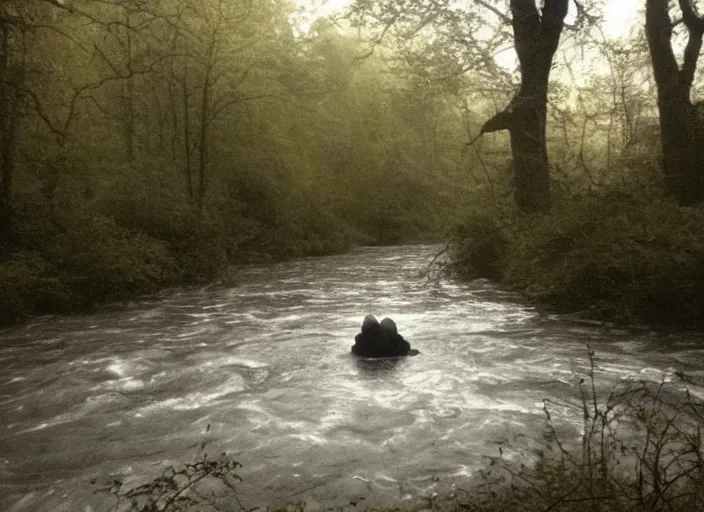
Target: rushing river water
{"points": [[127, 391]]}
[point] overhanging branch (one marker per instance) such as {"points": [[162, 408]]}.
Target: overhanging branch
{"points": [[695, 29], [378, 40], [500, 121], [692, 21], [503, 17], [691, 55]]}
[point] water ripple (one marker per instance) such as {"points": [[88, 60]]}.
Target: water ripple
{"points": [[263, 371]]}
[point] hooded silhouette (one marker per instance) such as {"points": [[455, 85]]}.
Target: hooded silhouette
{"points": [[380, 340]]}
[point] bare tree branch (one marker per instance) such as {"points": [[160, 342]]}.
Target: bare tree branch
{"points": [[695, 29], [500, 121], [692, 21], [503, 17], [216, 112], [691, 55], [377, 41], [38, 106]]}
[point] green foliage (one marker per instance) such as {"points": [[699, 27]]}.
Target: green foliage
{"points": [[155, 153], [612, 255], [311, 231], [103, 261], [30, 285], [481, 248], [67, 261]]}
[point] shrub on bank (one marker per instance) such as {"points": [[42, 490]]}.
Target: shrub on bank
{"points": [[613, 255], [73, 262], [303, 228], [102, 261], [30, 285], [63, 260]]}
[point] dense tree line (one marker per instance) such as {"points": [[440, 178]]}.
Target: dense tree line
{"points": [[623, 130], [152, 143], [534, 30]]}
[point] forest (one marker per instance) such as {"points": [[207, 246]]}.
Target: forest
{"points": [[152, 144], [552, 147]]}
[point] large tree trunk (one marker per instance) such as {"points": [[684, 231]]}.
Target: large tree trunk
{"points": [[128, 92], [680, 128], [187, 135], [203, 138], [9, 121], [530, 158], [537, 35]]}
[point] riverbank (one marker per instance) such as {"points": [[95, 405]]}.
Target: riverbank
{"points": [[614, 257], [69, 260], [68, 263]]}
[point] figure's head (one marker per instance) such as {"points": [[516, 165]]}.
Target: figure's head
{"points": [[389, 325], [369, 323]]}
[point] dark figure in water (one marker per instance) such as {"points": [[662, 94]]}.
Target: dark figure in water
{"points": [[380, 340]]}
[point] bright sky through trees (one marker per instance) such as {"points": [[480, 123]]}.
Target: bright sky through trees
{"points": [[620, 15]]}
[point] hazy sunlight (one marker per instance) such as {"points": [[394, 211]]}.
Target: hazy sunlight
{"points": [[620, 17]]}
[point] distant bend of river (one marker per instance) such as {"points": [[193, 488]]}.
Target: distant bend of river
{"points": [[131, 389]]}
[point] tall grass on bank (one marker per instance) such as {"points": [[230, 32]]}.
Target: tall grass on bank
{"points": [[612, 256], [641, 450]]}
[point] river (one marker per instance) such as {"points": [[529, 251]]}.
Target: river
{"points": [[263, 371]]}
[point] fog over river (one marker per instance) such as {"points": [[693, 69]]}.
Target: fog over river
{"points": [[126, 391]]}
